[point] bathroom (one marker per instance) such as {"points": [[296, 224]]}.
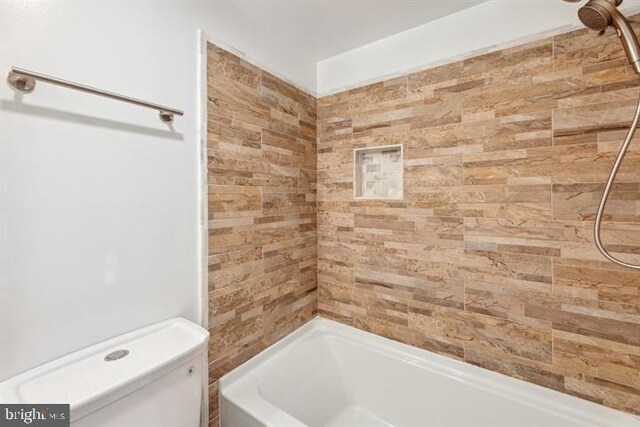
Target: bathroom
{"points": [[350, 213]]}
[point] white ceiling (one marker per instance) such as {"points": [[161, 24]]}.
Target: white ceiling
{"points": [[331, 27]]}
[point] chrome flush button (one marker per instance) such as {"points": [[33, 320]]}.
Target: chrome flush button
{"points": [[116, 355]]}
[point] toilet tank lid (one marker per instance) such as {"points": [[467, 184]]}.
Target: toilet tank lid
{"points": [[87, 379]]}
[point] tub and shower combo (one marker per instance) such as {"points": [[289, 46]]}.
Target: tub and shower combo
{"points": [[331, 375]]}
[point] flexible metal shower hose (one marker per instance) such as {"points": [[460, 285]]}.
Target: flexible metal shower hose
{"points": [[607, 190]]}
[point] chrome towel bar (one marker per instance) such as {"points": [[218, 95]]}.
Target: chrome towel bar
{"points": [[25, 81]]}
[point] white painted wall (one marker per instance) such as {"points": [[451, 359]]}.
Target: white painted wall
{"points": [[99, 219], [488, 26]]}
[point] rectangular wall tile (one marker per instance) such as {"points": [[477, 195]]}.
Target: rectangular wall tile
{"points": [[490, 258], [262, 212]]}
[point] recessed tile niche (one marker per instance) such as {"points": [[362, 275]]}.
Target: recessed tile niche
{"points": [[378, 173]]}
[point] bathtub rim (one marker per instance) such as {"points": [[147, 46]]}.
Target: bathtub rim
{"points": [[233, 385]]}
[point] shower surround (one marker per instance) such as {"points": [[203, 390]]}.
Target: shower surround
{"points": [[488, 258], [261, 149]]}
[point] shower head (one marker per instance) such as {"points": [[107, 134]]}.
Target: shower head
{"points": [[597, 15], [594, 16]]}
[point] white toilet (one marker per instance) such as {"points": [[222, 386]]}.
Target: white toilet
{"points": [[150, 377]]}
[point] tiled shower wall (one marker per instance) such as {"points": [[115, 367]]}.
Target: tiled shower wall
{"points": [[262, 211], [489, 257]]}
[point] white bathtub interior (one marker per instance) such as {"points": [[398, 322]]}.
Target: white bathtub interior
{"points": [[328, 374]]}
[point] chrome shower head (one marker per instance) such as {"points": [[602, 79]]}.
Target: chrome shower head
{"points": [[597, 15]]}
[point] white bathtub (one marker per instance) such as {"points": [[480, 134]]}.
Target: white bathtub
{"points": [[327, 374]]}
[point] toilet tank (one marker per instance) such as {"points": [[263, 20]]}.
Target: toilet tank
{"points": [[149, 377]]}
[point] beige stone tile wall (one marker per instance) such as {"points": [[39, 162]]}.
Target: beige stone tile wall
{"points": [[489, 257], [262, 212]]}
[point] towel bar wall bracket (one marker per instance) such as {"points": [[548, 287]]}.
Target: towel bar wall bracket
{"points": [[21, 83], [24, 81]]}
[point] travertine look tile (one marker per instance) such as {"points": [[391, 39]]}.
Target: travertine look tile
{"points": [[262, 212], [489, 257]]}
